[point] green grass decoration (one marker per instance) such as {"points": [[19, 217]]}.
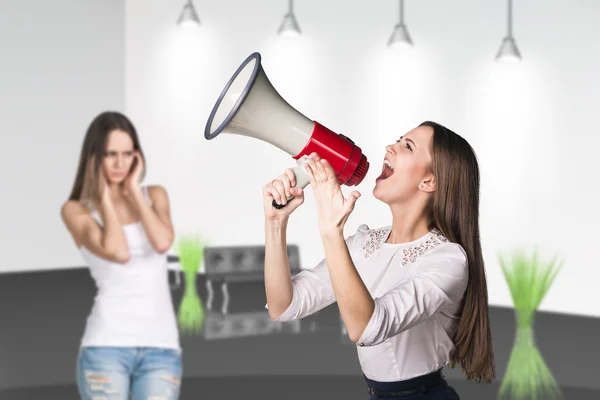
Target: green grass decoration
{"points": [[527, 375], [191, 315]]}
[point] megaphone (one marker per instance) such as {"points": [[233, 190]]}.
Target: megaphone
{"points": [[250, 106]]}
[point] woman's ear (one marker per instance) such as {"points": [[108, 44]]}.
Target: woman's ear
{"points": [[428, 185]]}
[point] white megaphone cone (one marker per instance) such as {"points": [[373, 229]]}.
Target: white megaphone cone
{"points": [[250, 106]]}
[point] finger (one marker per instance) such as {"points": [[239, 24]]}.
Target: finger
{"points": [[271, 191], [349, 204], [135, 165], [311, 175], [267, 190], [298, 199], [291, 175], [285, 179], [319, 170], [328, 169], [314, 161], [274, 192], [278, 185], [319, 177], [297, 192]]}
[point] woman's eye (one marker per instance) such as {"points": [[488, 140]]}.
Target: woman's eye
{"points": [[408, 146]]}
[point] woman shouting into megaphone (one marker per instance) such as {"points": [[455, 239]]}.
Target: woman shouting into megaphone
{"points": [[412, 295]]}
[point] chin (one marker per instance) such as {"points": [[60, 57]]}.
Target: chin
{"points": [[116, 181], [377, 191], [385, 192]]}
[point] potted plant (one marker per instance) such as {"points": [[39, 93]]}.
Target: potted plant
{"points": [[527, 376], [190, 250]]}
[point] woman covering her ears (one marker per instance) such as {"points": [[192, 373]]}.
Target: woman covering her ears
{"points": [[130, 346], [413, 294]]}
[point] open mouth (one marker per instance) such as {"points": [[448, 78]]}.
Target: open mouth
{"points": [[388, 170]]}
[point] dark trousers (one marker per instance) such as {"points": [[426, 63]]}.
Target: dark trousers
{"points": [[432, 386]]}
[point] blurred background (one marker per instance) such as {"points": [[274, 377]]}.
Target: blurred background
{"points": [[526, 109]]}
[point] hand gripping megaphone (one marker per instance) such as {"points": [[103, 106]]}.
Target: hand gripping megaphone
{"points": [[250, 106]]}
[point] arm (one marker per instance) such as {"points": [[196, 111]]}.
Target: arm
{"points": [[108, 243], [156, 219], [278, 280], [311, 289], [439, 284], [291, 298], [354, 300]]}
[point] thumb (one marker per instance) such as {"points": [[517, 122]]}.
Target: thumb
{"points": [[351, 201], [298, 199], [297, 192]]}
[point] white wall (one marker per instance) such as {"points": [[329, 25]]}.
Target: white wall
{"points": [[62, 63], [530, 123]]}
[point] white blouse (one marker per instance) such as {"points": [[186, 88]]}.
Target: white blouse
{"points": [[417, 287]]}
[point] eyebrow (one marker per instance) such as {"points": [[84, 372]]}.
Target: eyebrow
{"points": [[117, 151], [409, 140]]}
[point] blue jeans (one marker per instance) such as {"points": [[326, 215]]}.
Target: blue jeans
{"points": [[123, 373]]}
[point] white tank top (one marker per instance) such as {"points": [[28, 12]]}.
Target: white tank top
{"points": [[133, 305]]}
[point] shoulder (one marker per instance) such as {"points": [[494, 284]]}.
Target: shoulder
{"points": [[73, 208], [366, 239], [447, 257], [364, 232], [75, 214], [157, 193], [359, 235]]}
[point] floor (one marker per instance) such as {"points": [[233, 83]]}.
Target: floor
{"points": [[280, 388], [241, 354]]}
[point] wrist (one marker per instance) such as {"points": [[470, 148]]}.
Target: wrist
{"points": [[105, 200], [134, 187], [135, 192], [276, 224], [332, 233]]}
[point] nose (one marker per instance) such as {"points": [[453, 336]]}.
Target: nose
{"points": [[389, 148], [120, 161]]}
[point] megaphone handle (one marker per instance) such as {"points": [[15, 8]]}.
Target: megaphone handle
{"points": [[302, 180]]}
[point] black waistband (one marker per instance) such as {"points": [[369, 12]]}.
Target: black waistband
{"points": [[432, 379]]}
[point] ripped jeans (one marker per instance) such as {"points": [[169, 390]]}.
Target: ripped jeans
{"points": [[123, 373]]}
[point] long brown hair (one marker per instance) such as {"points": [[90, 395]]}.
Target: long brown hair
{"points": [[454, 211], [93, 151]]}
